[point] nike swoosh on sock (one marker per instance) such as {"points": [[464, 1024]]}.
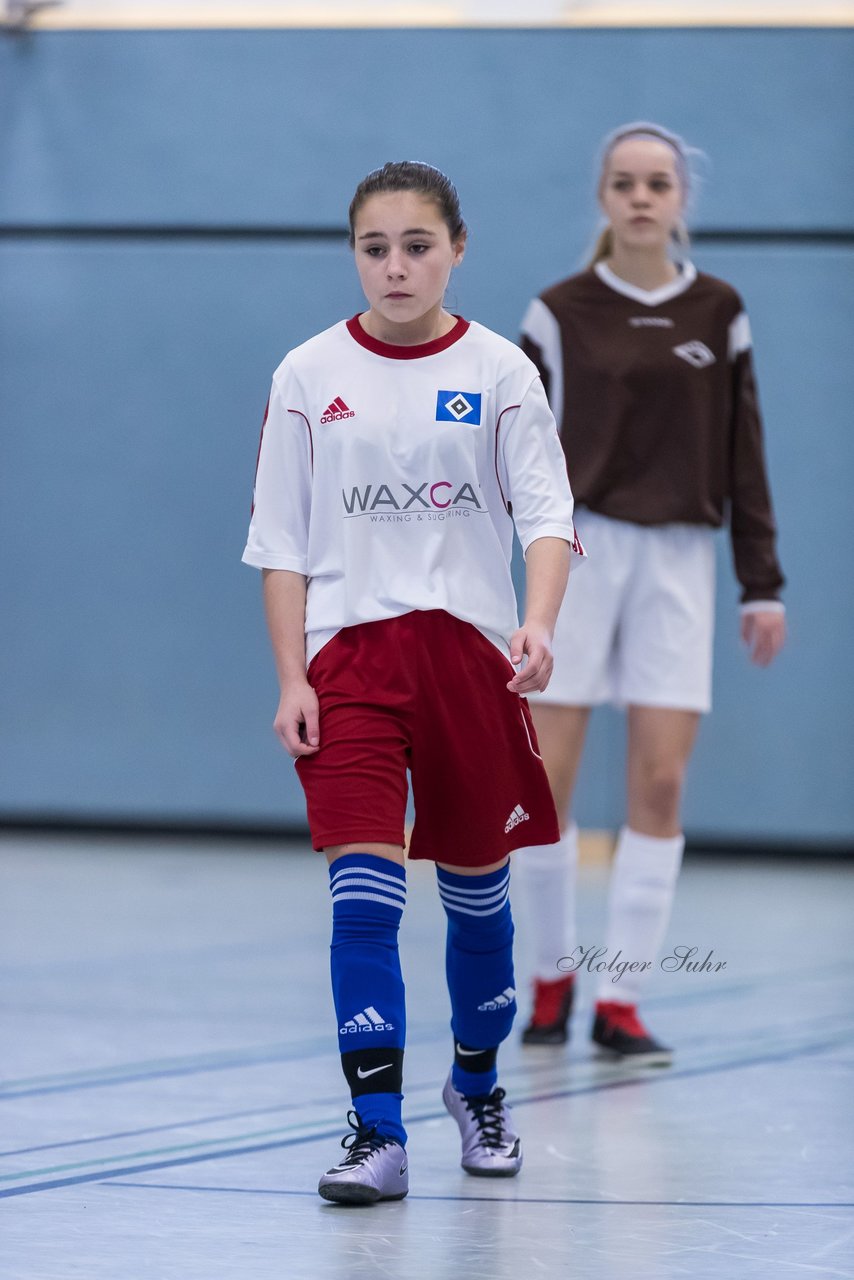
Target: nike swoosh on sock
{"points": [[363, 1075]]}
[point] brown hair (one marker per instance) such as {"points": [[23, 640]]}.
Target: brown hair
{"points": [[604, 245], [411, 175]]}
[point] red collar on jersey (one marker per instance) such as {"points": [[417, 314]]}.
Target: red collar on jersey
{"points": [[393, 352]]}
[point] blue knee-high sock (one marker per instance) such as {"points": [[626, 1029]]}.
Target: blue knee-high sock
{"points": [[368, 897], [479, 966]]}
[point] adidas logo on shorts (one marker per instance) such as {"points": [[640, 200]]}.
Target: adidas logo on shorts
{"points": [[518, 815], [508, 995], [367, 1020]]}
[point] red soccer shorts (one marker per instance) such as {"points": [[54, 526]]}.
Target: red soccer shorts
{"points": [[424, 692]]}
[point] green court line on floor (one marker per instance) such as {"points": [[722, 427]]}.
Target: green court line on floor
{"points": [[116, 1072], [316, 1129], [156, 1151]]}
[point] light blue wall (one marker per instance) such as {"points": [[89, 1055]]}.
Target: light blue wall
{"points": [[136, 679]]}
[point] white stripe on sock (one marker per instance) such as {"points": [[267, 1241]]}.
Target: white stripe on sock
{"points": [[493, 888], [489, 911], [373, 886], [368, 871], [475, 899], [368, 897]]}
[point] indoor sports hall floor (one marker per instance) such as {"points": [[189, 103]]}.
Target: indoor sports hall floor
{"points": [[170, 1092]]}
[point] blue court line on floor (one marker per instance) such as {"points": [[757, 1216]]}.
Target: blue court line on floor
{"points": [[195, 1064], [746, 986], [713, 990], [164, 1128], [134, 1073], [146, 961], [104, 1175], [502, 1199], [685, 1073], [190, 1122], [175, 1151], [524, 1068], [83, 1074], [152, 1167]]}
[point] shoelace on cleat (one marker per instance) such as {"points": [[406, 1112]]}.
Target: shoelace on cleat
{"points": [[488, 1111], [362, 1142]]}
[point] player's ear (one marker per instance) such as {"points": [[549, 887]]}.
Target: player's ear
{"points": [[459, 247]]}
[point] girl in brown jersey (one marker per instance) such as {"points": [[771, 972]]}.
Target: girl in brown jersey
{"points": [[647, 364]]}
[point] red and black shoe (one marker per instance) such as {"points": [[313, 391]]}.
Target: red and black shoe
{"points": [[550, 1015], [618, 1029]]}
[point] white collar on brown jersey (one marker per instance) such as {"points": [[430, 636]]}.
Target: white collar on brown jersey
{"points": [[649, 297]]}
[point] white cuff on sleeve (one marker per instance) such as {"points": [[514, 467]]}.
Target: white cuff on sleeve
{"points": [[763, 606]]}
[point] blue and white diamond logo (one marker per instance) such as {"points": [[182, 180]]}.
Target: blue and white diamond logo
{"points": [[458, 406]]}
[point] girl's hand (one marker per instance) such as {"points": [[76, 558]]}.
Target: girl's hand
{"points": [[297, 721], [764, 633], [533, 641]]}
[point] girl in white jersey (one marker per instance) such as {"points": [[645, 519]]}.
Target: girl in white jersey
{"points": [[396, 445], [647, 364]]}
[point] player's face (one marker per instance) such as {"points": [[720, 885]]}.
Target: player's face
{"points": [[641, 194], [404, 256]]}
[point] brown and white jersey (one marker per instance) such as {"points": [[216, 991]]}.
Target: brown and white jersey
{"points": [[655, 399]]}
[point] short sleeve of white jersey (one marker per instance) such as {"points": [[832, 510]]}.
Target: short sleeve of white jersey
{"points": [[278, 531], [532, 470]]}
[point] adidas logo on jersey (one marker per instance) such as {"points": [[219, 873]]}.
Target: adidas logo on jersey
{"points": [[518, 815], [367, 1020], [336, 411], [696, 354], [508, 995]]}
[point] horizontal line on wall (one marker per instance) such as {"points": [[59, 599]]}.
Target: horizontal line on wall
{"points": [[772, 235], [165, 231], [136, 827], [286, 234], [656, 14], [759, 847]]}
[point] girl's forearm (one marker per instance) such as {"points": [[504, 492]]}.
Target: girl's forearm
{"points": [[284, 605], [546, 575]]}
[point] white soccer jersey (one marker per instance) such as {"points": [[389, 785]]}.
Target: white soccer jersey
{"points": [[387, 476]]}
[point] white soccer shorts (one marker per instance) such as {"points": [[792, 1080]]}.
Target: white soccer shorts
{"points": [[637, 623]]}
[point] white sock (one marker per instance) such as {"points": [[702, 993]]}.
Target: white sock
{"points": [[640, 898], [547, 874]]}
